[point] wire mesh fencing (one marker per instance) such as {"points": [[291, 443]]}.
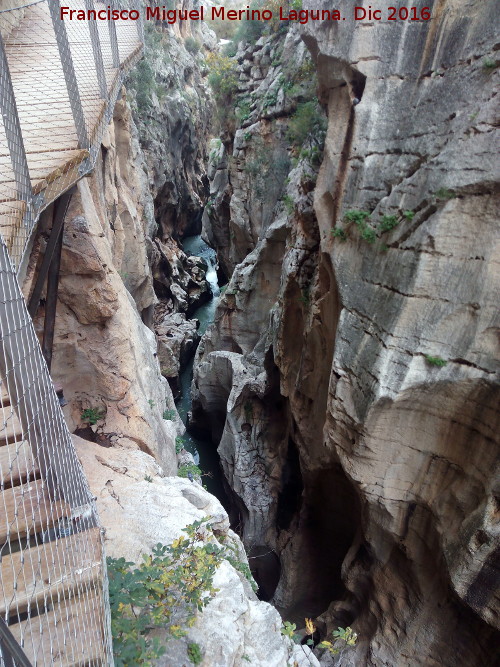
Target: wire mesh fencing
{"points": [[59, 81], [53, 592]]}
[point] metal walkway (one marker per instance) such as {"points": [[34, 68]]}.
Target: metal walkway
{"points": [[59, 81]]}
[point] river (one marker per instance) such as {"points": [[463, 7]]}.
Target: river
{"points": [[204, 451]]}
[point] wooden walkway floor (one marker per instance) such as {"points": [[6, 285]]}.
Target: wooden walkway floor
{"points": [[51, 559], [50, 139], [50, 582]]}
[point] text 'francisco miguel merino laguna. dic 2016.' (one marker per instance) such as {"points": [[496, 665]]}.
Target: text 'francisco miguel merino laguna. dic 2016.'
{"points": [[171, 16]]}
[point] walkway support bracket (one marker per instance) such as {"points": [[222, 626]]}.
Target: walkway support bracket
{"points": [[10, 649], [60, 209]]}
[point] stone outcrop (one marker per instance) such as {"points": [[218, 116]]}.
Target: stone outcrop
{"points": [[275, 74], [172, 108], [353, 391], [131, 491], [105, 358]]}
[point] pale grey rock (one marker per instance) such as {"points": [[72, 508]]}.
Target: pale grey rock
{"points": [[385, 463], [132, 492]]}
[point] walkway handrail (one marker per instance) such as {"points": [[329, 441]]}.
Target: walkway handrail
{"points": [[59, 82], [80, 66]]}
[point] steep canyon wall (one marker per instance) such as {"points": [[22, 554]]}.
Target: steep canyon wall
{"points": [[122, 331], [351, 379]]}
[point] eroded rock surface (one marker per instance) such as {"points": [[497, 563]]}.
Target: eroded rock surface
{"points": [[371, 470], [105, 358], [140, 508]]}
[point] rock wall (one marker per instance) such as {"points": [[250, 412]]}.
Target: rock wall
{"points": [[364, 464], [122, 275], [249, 165], [105, 358], [172, 108], [131, 490]]}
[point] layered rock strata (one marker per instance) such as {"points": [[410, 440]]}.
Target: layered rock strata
{"points": [[351, 380]]}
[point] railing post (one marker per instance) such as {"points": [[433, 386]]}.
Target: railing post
{"points": [[113, 40], [10, 649], [140, 21], [31, 391], [69, 74], [12, 128], [58, 215], [96, 48]]}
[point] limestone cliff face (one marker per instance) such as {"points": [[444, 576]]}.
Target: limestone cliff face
{"points": [[132, 491], [105, 358], [248, 167], [172, 108], [368, 468]]}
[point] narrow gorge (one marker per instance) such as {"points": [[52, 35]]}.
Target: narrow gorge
{"points": [[278, 312]]}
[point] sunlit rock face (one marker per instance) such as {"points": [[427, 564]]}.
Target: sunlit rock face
{"points": [[104, 357], [366, 462], [132, 491]]}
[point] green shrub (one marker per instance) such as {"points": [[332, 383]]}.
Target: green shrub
{"points": [[179, 444], [409, 215], [243, 112], [231, 48], [489, 65], [250, 31], [367, 234], [307, 121], [92, 415], [358, 217], [339, 233], [187, 468], [342, 637], [388, 222], [223, 79], [192, 45], [289, 204], [165, 591], [194, 653], [169, 415], [435, 361], [444, 193], [241, 567]]}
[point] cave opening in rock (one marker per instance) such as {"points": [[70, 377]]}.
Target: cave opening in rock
{"points": [[266, 570], [330, 518]]}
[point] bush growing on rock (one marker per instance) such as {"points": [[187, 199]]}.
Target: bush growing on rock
{"points": [[165, 591], [192, 45], [307, 121], [223, 76]]}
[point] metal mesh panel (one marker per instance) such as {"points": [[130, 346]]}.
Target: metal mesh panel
{"points": [[51, 568], [59, 81], [58, 85]]}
